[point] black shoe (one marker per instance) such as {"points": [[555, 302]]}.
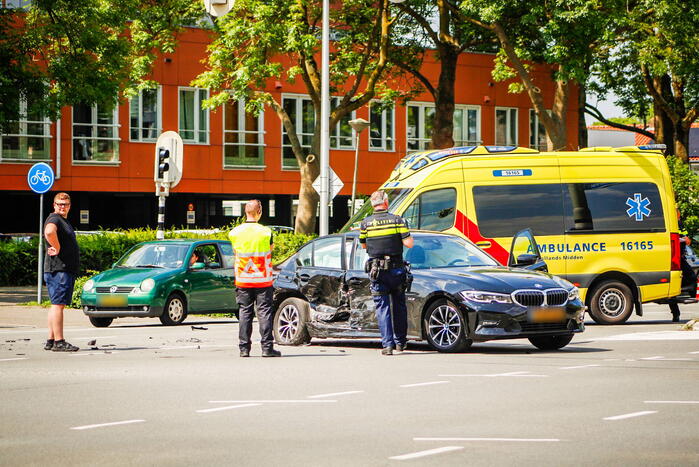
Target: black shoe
{"points": [[675, 317], [387, 351], [271, 353], [63, 346], [49, 344], [400, 348], [244, 352]]}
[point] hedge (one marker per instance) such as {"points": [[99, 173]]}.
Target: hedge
{"points": [[99, 251]]}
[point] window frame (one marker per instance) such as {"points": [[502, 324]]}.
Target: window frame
{"points": [[22, 135], [384, 138], [158, 117], [335, 133], [509, 126], [198, 109], [260, 132], [535, 129], [115, 125], [423, 142], [298, 124]]}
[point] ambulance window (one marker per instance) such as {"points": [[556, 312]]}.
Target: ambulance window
{"points": [[504, 210], [432, 210], [613, 207]]}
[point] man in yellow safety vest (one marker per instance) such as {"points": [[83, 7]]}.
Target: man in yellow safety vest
{"points": [[252, 243]]}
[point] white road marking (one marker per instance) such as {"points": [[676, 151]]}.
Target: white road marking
{"points": [[506, 440], [227, 407], [332, 394], [631, 415], [694, 352], [576, 367], [430, 383], [88, 427], [13, 359], [289, 401], [429, 452], [652, 336], [669, 359], [657, 357], [524, 374], [671, 402]]}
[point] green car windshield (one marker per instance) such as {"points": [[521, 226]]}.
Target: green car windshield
{"points": [[154, 255]]}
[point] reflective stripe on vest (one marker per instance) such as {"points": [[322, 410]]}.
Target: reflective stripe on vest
{"points": [[253, 256]]}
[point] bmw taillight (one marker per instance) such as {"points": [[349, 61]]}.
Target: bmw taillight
{"points": [[675, 250]]}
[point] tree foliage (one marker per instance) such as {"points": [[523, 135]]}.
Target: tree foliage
{"points": [[685, 183], [261, 40]]}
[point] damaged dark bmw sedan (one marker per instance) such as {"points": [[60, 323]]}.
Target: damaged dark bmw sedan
{"points": [[459, 294]]}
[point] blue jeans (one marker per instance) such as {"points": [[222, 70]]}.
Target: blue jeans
{"points": [[386, 288]]}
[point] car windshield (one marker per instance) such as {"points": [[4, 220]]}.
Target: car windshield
{"points": [[443, 252], [154, 255], [395, 196]]}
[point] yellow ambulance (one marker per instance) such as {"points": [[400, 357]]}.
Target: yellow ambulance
{"points": [[604, 218]]}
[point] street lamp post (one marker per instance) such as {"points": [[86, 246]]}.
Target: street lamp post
{"points": [[359, 125], [325, 120]]}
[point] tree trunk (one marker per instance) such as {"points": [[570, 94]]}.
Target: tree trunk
{"points": [[308, 197], [443, 126], [681, 146], [582, 126]]}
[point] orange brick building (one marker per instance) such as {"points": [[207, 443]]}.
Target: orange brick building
{"points": [[105, 159]]}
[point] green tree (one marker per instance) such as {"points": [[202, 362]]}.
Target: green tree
{"points": [[64, 52], [654, 61], [561, 33], [685, 183], [257, 39], [429, 27]]}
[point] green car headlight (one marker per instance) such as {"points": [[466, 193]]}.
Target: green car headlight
{"points": [[147, 285], [87, 286]]}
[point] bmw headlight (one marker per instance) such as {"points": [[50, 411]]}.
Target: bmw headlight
{"points": [[87, 286], [147, 285], [485, 297], [573, 294]]}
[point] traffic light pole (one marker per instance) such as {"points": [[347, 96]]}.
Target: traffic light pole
{"points": [[160, 234]]}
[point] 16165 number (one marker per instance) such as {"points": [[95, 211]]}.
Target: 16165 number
{"points": [[629, 246]]}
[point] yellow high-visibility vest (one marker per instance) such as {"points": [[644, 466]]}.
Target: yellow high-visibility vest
{"points": [[253, 254]]}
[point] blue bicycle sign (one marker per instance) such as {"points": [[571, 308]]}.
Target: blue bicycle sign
{"points": [[40, 177]]}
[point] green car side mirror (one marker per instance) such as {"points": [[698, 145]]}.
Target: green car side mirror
{"points": [[196, 266]]}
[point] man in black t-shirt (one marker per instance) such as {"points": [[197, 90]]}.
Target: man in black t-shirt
{"points": [[61, 267]]}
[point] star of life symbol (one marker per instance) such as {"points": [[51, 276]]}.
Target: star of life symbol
{"points": [[638, 207]]}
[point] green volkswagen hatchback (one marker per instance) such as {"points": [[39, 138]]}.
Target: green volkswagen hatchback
{"points": [[166, 279]]}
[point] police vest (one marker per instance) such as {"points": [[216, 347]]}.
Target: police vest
{"points": [[383, 234], [253, 255]]}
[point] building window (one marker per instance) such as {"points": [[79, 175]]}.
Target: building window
{"points": [[95, 133], [16, 4], [537, 132], [421, 121], [27, 138], [300, 111], [145, 115], [243, 136], [382, 131], [342, 136], [194, 119], [505, 127]]}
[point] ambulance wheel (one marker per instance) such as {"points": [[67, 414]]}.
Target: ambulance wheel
{"points": [[611, 303]]}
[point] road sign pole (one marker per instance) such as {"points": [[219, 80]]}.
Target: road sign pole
{"points": [[40, 262]]}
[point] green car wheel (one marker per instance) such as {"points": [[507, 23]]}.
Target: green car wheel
{"points": [[175, 310]]}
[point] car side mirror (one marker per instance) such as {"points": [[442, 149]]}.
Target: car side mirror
{"points": [[526, 259], [197, 266]]}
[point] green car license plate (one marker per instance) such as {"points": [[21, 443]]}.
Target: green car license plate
{"points": [[547, 315], [112, 300]]}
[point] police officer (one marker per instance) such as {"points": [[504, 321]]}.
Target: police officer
{"points": [[383, 235]]}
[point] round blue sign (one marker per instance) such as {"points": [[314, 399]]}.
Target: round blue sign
{"points": [[40, 177]]}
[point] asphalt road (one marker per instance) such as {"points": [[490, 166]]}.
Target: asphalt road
{"points": [[151, 395]]}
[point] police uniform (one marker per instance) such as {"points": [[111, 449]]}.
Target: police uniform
{"points": [[383, 234]]}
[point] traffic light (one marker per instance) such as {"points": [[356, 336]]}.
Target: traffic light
{"points": [[163, 163]]}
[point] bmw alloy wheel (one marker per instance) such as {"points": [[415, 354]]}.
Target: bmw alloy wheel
{"points": [[290, 322], [445, 327]]}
